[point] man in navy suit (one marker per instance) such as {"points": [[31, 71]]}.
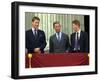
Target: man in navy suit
{"points": [[35, 38], [79, 39]]}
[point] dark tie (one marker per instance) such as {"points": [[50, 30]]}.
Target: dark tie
{"points": [[35, 33], [76, 41]]}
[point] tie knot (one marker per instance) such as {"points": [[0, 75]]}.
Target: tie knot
{"points": [[35, 29], [76, 32]]}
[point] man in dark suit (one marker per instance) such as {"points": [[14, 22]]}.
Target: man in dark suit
{"points": [[79, 39], [59, 42], [35, 38]]}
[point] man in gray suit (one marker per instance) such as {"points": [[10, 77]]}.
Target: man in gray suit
{"points": [[59, 42]]}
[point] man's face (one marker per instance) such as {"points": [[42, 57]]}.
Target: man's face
{"points": [[35, 24], [75, 27], [57, 27]]}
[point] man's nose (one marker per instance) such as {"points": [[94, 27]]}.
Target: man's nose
{"points": [[36, 24]]}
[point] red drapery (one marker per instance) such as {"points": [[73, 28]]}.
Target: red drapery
{"points": [[56, 60]]}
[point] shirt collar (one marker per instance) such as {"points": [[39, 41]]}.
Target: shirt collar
{"points": [[78, 31], [57, 33], [33, 28]]}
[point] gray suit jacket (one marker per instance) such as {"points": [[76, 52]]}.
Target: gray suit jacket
{"points": [[59, 47]]}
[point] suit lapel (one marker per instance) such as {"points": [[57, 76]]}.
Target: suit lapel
{"points": [[74, 37], [80, 35], [32, 34], [55, 38], [62, 37]]}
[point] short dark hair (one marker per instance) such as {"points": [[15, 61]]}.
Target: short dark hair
{"points": [[35, 18], [76, 22], [56, 22]]}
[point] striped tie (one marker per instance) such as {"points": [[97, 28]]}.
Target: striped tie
{"points": [[76, 41], [58, 36]]}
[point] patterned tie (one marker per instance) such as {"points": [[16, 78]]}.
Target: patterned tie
{"points": [[76, 41], [58, 36]]}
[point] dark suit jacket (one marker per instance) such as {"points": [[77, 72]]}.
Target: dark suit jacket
{"points": [[59, 47], [83, 42], [35, 42]]}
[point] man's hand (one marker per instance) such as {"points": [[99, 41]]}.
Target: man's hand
{"points": [[37, 50]]}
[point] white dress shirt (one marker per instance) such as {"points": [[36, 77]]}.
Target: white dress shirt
{"points": [[60, 33], [79, 32], [33, 30]]}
